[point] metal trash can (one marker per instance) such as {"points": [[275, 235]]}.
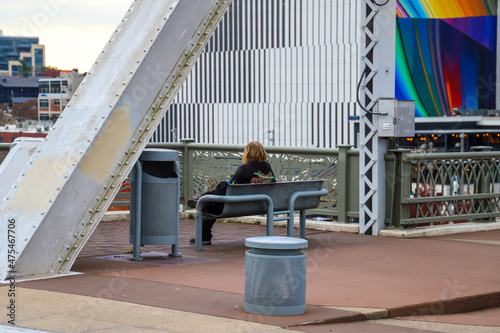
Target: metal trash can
{"points": [[154, 200], [275, 276]]}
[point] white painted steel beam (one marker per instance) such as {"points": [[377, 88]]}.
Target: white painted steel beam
{"points": [[62, 193], [379, 60]]}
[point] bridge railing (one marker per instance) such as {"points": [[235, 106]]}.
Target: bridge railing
{"points": [[205, 165], [422, 189], [442, 188]]}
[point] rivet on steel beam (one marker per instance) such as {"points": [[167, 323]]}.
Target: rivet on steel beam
{"points": [[76, 235], [112, 175], [59, 259], [105, 198], [91, 222], [113, 186], [43, 213], [67, 259]]}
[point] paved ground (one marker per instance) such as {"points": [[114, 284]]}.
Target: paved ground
{"points": [[355, 283]]}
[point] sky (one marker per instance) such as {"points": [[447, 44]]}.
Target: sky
{"points": [[74, 32]]}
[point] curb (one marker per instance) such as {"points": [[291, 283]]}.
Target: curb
{"points": [[430, 231], [449, 306]]}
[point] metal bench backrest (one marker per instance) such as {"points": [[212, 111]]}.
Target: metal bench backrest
{"points": [[278, 192]]}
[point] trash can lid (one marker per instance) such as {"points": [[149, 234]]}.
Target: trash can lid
{"points": [[276, 243], [158, 154]]}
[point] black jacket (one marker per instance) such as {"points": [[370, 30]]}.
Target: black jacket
{"points": [[253, 172]]}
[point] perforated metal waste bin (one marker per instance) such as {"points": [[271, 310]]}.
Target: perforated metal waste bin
{"points": [[154, 200], [275, 276]]}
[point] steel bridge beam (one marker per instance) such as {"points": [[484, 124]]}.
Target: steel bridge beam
{"points": [[61, 195], [378, 58]]}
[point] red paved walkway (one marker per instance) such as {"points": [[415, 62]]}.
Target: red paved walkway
{"points": [[424, 277]]}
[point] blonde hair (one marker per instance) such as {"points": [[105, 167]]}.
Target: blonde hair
{"points": [[254, 151]]}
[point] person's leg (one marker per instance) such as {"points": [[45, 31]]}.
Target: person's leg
{"points": [[206, 230]]}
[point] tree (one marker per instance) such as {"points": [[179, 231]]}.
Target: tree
{"points": [[25, 111], [51, 71], [24, 70]]}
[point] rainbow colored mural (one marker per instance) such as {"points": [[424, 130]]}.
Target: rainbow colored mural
{"points": [[446, 55]]}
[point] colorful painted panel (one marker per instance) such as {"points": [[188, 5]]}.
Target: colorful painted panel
{"points": [[446, 8], [448, 62]]}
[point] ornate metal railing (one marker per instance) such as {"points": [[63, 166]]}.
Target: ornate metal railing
{"points": [[442, 188], [205, 165], [422, 189]]}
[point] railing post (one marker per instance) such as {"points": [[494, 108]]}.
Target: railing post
{"points": [[398, 187], [187, 185], [342, 183], [483, 180]]}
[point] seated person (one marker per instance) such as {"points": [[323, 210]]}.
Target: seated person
{"points": [[255, 169]]}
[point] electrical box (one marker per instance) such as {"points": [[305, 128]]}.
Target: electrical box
{"points": [[396, 118]]}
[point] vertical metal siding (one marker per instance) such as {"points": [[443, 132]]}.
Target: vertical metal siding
{"points": [[283, 72]]}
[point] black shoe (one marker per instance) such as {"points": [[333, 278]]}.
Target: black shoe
{"points": [[203, 242], [192, 203]]}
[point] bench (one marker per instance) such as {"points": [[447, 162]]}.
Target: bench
{"points": [[270, 199]]}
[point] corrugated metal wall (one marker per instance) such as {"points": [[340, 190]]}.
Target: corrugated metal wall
{"points": [[282, 72]]}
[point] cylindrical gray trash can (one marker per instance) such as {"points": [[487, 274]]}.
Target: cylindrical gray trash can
{"points": [[275, 276], [158, 197]]}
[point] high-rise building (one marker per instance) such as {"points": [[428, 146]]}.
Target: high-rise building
{"points": [[13, 49]]}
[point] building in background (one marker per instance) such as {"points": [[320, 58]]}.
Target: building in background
{"points": [[55, 94], [14, 49], [280, 72], [285, 73], [18, 89]]}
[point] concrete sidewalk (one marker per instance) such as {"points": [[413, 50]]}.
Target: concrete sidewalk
{"points": [[354, 283]]}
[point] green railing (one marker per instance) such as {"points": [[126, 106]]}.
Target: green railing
{"points": [[205, 165], [422, 189], [441, 188]]}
